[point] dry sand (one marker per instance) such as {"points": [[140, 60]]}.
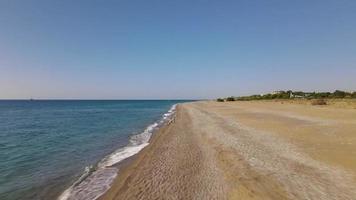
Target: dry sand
{"points": [[247, 150]]}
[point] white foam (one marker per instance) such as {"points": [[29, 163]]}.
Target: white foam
{"points": [[92, 186], [66, 194], [145, 136], [122, 154]]}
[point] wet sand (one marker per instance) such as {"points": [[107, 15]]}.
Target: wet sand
{"points": [[246, 150]]}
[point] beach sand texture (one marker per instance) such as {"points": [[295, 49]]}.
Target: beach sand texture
{"points": [[246, 150]]}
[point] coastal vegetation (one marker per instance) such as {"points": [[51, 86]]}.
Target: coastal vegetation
{"points": [[338, 94], [220, 100]]}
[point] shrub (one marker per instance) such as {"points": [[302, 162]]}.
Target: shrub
{"points": [[220, 100], [353, 95], [230, 99], [319, 102], [299, 93], [339, 94], [267, 96], [322, 95]]}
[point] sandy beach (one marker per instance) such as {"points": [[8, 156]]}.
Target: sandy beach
{"points": [[247, 150]]}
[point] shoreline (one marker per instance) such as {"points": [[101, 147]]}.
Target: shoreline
{"points": [[245, 150], [97, 179], [128, 165]]}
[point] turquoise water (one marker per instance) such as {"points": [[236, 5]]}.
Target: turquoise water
{"points": [[45, 146]]}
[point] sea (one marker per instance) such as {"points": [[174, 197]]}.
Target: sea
{"points": [[67, 149]]}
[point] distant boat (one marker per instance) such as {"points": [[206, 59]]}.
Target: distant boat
{"points": [[31, 99]]}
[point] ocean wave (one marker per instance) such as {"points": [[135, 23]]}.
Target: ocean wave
{"points": [[122, 154], [96, 180]]}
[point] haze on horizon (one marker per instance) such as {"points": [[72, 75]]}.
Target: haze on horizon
{"points": [[174, 49]]}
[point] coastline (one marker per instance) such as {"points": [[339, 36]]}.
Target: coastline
{"points": [[97, 179], [129, 165], [245, 150]]}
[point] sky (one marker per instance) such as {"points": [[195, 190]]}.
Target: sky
{"points": [[174, 49]]}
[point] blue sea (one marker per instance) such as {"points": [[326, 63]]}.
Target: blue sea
{"points": [[66, 149]]}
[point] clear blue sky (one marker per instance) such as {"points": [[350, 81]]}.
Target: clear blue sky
{"points": [[129, 49]]}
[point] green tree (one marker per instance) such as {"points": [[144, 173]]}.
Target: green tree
{"points": [[339, 94]]}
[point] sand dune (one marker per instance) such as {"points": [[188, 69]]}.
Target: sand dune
{"points": [[246, 150]]}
